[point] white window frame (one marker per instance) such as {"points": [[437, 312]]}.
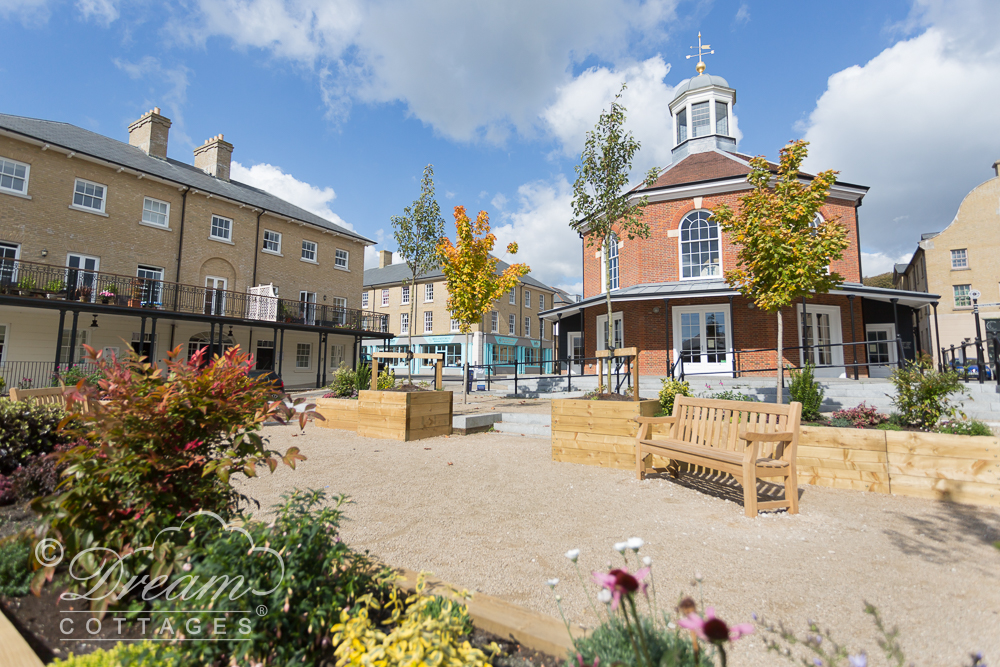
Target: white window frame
{"points": [[385, 297], [307, 251], [158, 290], [690, 367], [342, 259], [166, 214], [229, 229], [298, 356], [602, 321], [266, 240], [428, 292], [455, 325], [337, 352], [27, 174], [527, 326], [89, 209], [964, 259], [364, 299], [836, 338], [5, 341], [967, 295], [308, 303], [680, 248], [404, 295], [494, 322], [404, 323], [882, 370], [428, 321], [541, 302], [527, 298], [82, 338], [511, 324], [616, 276], [513, 296]]}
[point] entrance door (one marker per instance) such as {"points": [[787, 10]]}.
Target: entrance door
{"points": [[823, 338], [881, 348], [82, 275], [264, 359], [8, 263], [574, 349], [215, 296], [704, 337]]}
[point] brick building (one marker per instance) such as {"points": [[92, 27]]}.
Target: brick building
{"points": [[114, 245], [513, 331], [962, 258], [669, 295]]}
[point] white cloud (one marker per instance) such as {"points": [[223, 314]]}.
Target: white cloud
{"points": [[742, 14], [272, 179], [104, 12], [29, 12], [540, 227], [915, 122], [647, 100], [572, 288], [874, 263], [472, 71], [168, 89]]}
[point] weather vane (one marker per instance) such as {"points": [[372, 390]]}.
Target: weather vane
{"points": [[702, 50]]}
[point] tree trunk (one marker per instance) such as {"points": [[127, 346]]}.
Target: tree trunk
{"points": [[465, 373], [409, 329], [611, 324], [779, 396]]}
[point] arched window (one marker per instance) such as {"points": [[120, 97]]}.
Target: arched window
{"points": [[203, 339], [611, 257], [700, 246]]}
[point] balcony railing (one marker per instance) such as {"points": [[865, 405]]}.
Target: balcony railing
{"points": [[80, 284]]}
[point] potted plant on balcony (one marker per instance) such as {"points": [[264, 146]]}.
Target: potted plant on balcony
{"points": [[28, 286], [55, 288], [107, 294]]}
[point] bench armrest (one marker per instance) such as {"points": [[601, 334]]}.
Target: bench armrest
{"points": [[780, 436], [654, 420]]}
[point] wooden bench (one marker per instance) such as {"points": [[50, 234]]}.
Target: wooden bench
{"points": [[747, 440], [47, 396]]}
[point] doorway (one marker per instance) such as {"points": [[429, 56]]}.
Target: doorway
{"points": [[574, 349], [705, 337], [215, 296], [881, 348], [823, 338], [264, 358]]}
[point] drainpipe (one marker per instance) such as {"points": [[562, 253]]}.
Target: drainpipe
{"points": [[256, 251], [180, 247]]}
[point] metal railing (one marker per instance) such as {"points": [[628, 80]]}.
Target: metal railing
{"points": [[65, 283], [41, 374], [978, 369], [621, 369]]}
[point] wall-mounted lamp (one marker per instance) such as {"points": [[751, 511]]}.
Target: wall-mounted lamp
{"points": [[324, 297], [45, 253], [230, 330], [93, 325]]}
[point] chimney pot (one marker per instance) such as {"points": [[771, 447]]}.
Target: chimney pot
{"points": [[384, 258], [150, 133], [214, 157], [996, 168]]}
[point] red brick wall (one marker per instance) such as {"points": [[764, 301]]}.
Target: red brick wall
{"points": [[656, 259], [648, 329]]}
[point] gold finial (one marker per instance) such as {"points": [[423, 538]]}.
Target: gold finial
{"points": [[702, 50]]}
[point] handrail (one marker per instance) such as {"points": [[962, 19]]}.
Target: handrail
{"points": [[100, 287]]}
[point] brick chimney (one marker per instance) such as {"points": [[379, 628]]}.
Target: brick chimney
{"points": [[214, 156], [384, 258], [149, 133], [996, 167]]}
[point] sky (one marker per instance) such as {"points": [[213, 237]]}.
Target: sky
{"points": [[337, 105]]}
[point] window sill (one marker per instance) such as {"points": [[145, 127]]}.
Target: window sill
{"points": [[341, 268], [218, 240], [89, 210], [149, 224], [308, 261], [15, 193], [964, 268], [271, 252]]}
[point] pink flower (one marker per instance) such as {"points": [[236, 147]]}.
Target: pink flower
{"points": [[581, 663], [620, 582], [714, 629]]}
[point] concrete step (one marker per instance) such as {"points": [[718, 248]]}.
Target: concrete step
{"points": [[542, 419], [528, 430]]}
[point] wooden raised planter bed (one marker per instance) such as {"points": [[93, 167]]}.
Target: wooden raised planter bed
{"points": [[598, 433], [338, 413], [404, 415]]}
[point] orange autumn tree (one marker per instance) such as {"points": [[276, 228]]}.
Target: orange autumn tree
{"points": [[471, 274]]}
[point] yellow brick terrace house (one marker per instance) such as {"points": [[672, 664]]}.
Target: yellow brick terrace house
{"points": [[115, 245]]}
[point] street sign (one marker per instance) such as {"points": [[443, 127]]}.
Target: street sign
{"points": [[975, 294]]}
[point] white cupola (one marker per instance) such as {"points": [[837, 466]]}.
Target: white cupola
{"points": [[701, 112]]}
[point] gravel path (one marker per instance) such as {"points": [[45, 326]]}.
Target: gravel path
{"points": [[493, 513]]}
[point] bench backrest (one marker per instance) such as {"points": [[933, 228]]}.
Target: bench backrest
{"points": [[714, 423], [47, 396]]}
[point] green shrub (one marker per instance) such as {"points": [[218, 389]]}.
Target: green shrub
{"points": [[861, 416], [37, 477], [15, 568], [840, 422], [611, 643], [896, 419], [923, 393], [889, 426], [804, 389], [363, 378], [28, 429], [734, 395], [670, 389], [968, 427], [168, 441], [124, 654], [71, 376], [322, 576], [386, 380], [344, 383]]}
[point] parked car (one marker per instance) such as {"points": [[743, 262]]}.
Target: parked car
{"points": [[267, 375], [970, 369]]}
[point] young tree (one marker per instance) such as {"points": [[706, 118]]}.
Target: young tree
{"points": [[417, 232], [782, 255], [603, 208], [471, 273]]}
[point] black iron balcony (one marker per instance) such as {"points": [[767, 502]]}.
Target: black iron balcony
{"points": [[31, 279]]}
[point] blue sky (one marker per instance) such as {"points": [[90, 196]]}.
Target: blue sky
{"points": [[338, 104]]}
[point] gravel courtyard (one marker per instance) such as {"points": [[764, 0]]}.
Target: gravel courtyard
{"points": [[493, 513]]}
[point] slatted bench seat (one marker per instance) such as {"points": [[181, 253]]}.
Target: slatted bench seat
{"points": [[46, 396], [750, 441]]}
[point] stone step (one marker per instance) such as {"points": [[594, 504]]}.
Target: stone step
{"points": [[526, 418], [528, 430]]}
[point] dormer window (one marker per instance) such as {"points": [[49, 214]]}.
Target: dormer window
{"points": [[682, 125], [701, 122], [722, 118]]}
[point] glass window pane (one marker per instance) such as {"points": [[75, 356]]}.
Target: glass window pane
{"points": [[682, 130], [700, 120], [722, 118]]}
